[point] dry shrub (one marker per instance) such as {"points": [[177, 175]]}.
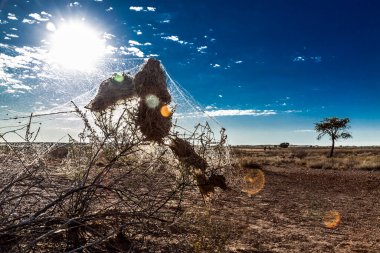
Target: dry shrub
{"points": [[370, 163], [186, 153], [210, 233], [345, 163], [113, 189], [249, 163], [300, 154]]}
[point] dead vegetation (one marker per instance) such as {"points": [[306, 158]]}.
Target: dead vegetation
{"points": [[313, 158], [114, 188]]}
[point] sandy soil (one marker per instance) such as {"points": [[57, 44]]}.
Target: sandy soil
{"points": [[287, 215]]}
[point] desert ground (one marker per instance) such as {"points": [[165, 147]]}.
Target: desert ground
{"points": [[289, 213], [301, 202]]}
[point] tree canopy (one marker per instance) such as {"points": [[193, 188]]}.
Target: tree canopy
{"points": [[334, 127]]}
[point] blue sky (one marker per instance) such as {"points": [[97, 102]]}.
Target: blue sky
{"points": [[266, 69]]}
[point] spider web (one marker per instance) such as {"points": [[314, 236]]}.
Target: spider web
{"points": [[52, 91]]}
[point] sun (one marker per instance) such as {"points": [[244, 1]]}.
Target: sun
{"points": [[76, 46]]}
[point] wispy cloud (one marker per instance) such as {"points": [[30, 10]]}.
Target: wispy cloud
{"points": [[11, 35], [227, 113], [109, 9], [44, 13], [216, 65], [219, 113], [239, 62], [299, 59], [140, 8], [28, 21], [12, 16], [132, 51], [304, 131], [42, 18], [315, 59], [293, 111], [22, 63], [108, 36], [134, 43], [201, 49], [136, 8], [174, 38], [75, 4]]}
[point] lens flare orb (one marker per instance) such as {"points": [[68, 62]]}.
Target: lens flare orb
{"points": [[165, 111], [118, 77], [152, 101], [254, 182], [331, 219]]}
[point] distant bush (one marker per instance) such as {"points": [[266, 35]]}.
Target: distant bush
{"points": [[284, 145], [249, 163], [301, 154]]}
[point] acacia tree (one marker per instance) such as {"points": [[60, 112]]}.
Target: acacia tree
{"points": [[335, 128]]}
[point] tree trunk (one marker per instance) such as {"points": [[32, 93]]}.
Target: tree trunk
{"points": [[332, 148]]}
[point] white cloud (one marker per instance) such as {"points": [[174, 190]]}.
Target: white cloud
{"points": [[108, 36], [26, 60], [14, 29], [304, 131], [151, 8], [111, 49], [98, 0], [174, 38], [38, 17], [18, 86], [75, 4], [44, 13], [225, 113], [135, 51], [299, 59], [147, 44], [109, 9], [293, 111], [219, 113], [12, 16], [132, 51], [134, 43], [209, 107], [138, 32], [136, 8], [7, 38], [165, 21], [220, 95], [3, 22], [28, 21], [238, 62], [201, 49], [216, 65], [11, 35]]}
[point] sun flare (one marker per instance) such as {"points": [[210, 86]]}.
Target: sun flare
{"points": [[76, 46]]}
